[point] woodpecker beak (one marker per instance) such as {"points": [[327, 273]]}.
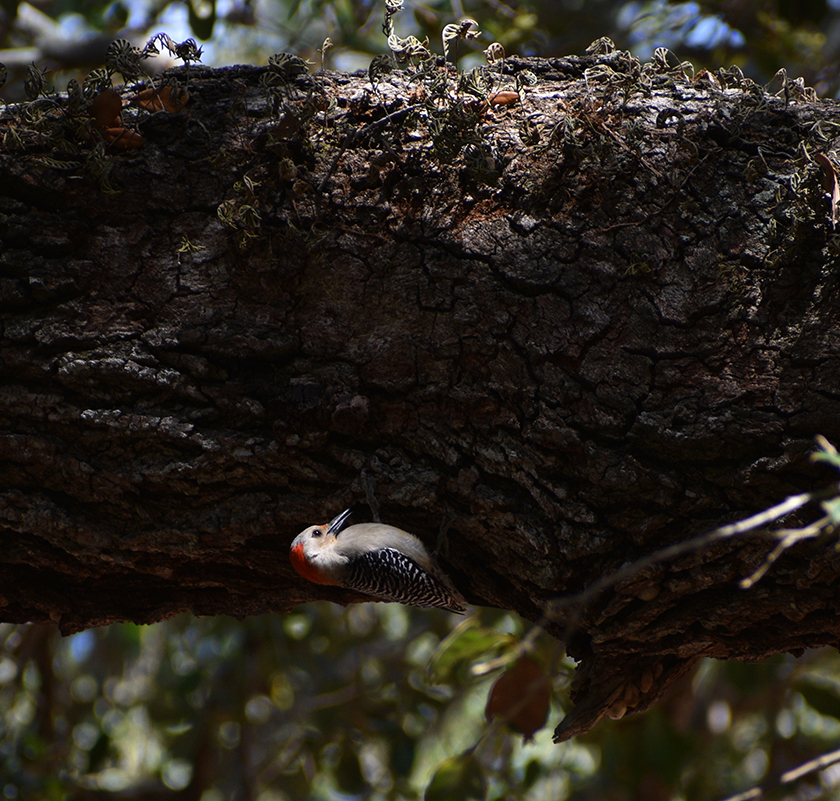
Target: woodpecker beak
{"points": [[336, 524]]}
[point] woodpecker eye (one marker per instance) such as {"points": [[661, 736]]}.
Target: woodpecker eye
{"points": [[316, 532]]}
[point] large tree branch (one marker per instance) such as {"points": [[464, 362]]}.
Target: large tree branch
{"points": [[582, 327]]}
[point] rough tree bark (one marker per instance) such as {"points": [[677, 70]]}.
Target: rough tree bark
{"points": [[578, 327]]}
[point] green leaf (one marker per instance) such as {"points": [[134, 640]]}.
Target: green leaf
{"points": [[534, 771], [99, 753], [202, 26], [821, 698], [826, 453], [458, 777], [466, 643], [348, 771], [130, 635], [832, 509], [295, 782], [403, 751]]}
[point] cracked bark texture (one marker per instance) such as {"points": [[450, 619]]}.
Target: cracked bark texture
{"points": [[578, 351]]}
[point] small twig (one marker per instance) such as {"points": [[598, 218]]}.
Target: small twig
{"points": [[820, 762], [787, 537], [807, 767], [524, 646], [747, 796]]}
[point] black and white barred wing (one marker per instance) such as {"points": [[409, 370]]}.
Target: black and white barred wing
{"points": [[392, 576]]}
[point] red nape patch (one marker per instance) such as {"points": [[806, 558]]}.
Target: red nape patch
{"points": [[303, 567]]}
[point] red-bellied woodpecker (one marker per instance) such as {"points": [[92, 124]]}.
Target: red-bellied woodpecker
{"points": [[375, 559]]}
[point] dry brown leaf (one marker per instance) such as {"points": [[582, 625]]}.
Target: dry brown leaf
{"points": [[105, 108], [521, 697], [165, 98], [123, 138], [505, 98]]}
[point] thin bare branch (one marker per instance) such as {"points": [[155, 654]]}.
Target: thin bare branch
{"points": [[788, 537], [788, 777], [759, 520], [808, 767]]}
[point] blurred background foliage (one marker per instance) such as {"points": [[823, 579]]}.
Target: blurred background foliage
{"points": [[378, 702], [70, 37]]}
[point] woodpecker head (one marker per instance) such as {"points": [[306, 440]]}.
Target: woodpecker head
{"points": [[310, 550]]}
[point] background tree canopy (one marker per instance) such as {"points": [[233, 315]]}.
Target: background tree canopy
{"points": [[71, 36], [382, 701], [372, 702]]}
